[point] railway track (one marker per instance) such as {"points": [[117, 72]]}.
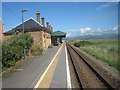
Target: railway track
{"points": [[86, 75]]}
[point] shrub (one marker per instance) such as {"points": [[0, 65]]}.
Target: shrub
{"points": [[9, 63], [12, 48], [82, 43], [77, 44], [36, 50]]}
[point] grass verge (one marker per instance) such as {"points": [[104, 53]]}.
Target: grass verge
{"points": [[105, 50]]}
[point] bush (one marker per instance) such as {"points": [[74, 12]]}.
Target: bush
{"points": [[36, 50], [12, 48], [9, 63], [77, 44], [82, 43]]}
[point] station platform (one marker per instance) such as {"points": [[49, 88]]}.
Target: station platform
{"points": [[51, 70], [57, 74], [29, 71], [59, 79]]}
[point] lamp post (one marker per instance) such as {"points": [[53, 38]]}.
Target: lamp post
{"points": [[24, 51]]}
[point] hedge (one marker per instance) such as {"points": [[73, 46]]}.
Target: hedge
{"points": [[82, 43], [12, 49]]}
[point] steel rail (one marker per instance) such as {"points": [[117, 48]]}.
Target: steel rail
{"points": [[97, 74], [75, 69]]}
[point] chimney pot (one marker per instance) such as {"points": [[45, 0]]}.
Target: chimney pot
{"points": [[51, 29], [47, 25], [43, 21], [38, 16]]}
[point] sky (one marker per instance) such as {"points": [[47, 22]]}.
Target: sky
{"points": [[60, 0], [74, 18]]}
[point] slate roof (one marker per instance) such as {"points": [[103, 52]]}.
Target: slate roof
{"points": [[28, 25], [58, 33]]}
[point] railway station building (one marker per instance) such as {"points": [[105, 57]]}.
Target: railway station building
{"points": [[40, 33]]}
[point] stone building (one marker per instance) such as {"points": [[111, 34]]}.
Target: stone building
{"points": [[40, 33], [1, 30]]}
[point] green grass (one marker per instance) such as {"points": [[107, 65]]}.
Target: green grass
{"points": [[105, 50]]}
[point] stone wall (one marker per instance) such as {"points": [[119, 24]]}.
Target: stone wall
{"points": [[36, 37], [48, 43], [1, 30], [41, 38], [6, 36]]}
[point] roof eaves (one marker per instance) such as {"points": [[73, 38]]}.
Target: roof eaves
{"points": [[8, 32]]}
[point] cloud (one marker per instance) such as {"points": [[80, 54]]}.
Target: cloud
{"points": [[115, 28], [106, 30], [72, 32], [68, 35], [86, 30], [106, 5], [90, 31]]}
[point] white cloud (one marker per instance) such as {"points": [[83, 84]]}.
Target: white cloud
{"points": [[106, 5], [99, 30], [72, 32], [115, 28], [107, 30], [68, 35], [86, 30], [90, 31]]}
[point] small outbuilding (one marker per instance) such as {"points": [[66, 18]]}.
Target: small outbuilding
{"points": [[57, 37]]}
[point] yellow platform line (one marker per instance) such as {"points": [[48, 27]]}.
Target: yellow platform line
{"points": [[45, 79]]}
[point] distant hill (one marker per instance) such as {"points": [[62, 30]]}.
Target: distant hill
{"points": [[88, 37]]}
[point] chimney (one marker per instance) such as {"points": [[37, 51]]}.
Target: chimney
{"points": [[47, 25], [43, 21], [38, 16], [50, 27]]}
